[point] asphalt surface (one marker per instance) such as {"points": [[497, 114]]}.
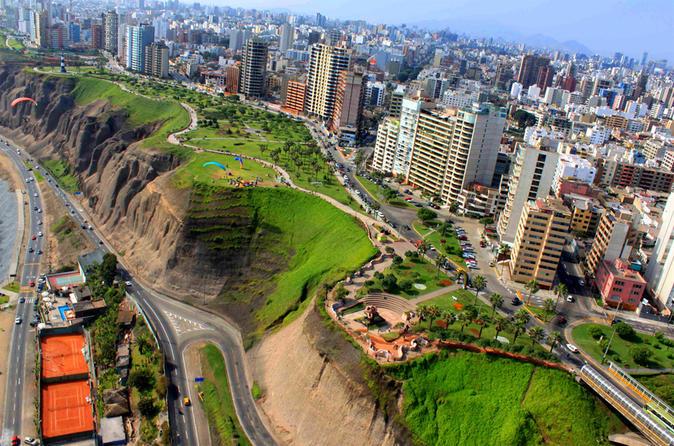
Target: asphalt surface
{"points": [[22, 334], [172, 343]]}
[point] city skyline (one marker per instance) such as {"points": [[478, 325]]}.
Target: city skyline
{"points": [[604, 27]]}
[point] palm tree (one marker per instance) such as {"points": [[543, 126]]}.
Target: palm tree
{"points": [[536, 334], [439, 262], [496, 301], [549, 306], [532, 287], [520, 321], [422, 312], [500, 324], [560, 290], [480, 283], [554, 338], [433, 312], [422, 248], [483, 323], [464, 318], [448, 317]]}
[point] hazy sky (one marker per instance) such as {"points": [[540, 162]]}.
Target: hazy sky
{"points": [[605, 26]]}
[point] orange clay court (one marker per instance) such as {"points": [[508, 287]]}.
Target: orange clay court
{"points": [[66, 409], [62, 356]]}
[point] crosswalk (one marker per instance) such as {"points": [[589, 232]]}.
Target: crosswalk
{"points": [[184, 325]]}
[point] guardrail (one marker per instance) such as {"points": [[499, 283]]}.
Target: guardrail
{"points": [[652, 430]]}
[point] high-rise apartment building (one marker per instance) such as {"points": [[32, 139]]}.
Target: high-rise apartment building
{"points": [[295, 96], [156, 60], [531, 179], [110, 30], [409, 117], [286, 37], [253, 68], [660, 269], [530, 67], [325, 65], [455, 148], [395, 106], [97, 37], [540, 239], [386, 145], [137, 38], [348, 112], [232, 76], [615, 237]]}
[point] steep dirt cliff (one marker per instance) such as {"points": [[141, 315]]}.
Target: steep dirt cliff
{"points": [[316, 391]]}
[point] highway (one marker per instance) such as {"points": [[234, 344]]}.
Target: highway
{"points": [[23, 334], [173, 342]]}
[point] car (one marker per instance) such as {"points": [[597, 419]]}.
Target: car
{"points": [[581, 282], [127, 283], [35, 194], [516, 301], [18, 320], [40, 234], [473, 266], [572, 348], [34, 237], [31, 283], [31, 250], [30, 440], [560, 320], [407, 198], [483, 244], [39, 223], [39, 211], [35, 208], [16, 441], [22, 300], [100, 242], [569, 298], [39, 252], [186, 401]]}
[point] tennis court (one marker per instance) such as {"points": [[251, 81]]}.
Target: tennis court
{"points": [[66, 409], [68, 279], [62, 356]]}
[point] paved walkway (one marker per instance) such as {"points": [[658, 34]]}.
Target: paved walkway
{"points": [[433, 294]]}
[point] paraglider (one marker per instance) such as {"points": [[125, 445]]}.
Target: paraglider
{"points": [[215, 163], [23, 99], [240, 160]]}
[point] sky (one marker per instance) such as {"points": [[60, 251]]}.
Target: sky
{"points": [[604, 26]]}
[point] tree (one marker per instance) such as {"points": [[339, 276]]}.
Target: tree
{"points": [[532, 287], [426, 215], [479, 283], [496, 301], [596, 332], [641, 354], [109, 268], [625, 331], [389, 250], [560, 290], [520, 321], [464, 318], [341, 292], [422, 248], [439, 263], [422, 311], [389, 283], [142, 379], [536, 334], [433, 313], [397, 260], [500, 324], [549, 306], [524, 118], [448, 317], [147, 407], [554, 338]]}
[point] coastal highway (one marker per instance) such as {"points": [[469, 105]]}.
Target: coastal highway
{"points": [[22, 333], [156, 308]]}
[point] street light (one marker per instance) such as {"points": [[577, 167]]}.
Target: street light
{"points": [[608, 346]]}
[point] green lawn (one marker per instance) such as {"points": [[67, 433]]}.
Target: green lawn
{"points": [[662, 355], [540, 313], [195, 171], [61, 171], [408, 274], [466, 398], [15, 44], [217, 399], [13, 286], [376, 191], [451, 248]]}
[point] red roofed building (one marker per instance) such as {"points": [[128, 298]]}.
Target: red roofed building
{"points": [[619, 285]]}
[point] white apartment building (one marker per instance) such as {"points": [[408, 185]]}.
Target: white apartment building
{"points": [[660, 268], [531, 178], [386, 145], [573, 166], [459, 99], [598, 134], [409, 116]]}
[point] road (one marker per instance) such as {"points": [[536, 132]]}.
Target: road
{"points": [[158, 309], [23, 335]]}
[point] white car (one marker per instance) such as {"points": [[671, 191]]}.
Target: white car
{"points": [[127, 283], [18, 320], [40, 234], [572, 348], [569, 298]]}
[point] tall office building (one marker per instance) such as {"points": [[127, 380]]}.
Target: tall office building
{"points": [[110, 30], [156, 60], [286, 37], [325, 65], [137, 38], [530, 67], [455, 148], [540, 239], [349, 101], [531, 179], [660, 269], [253, 68]]}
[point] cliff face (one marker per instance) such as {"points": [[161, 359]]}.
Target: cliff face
{"points": [[315, 388]]}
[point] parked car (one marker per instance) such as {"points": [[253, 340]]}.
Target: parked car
{"points": [[572, 348], [516, 301], [569, 298], [560, 320], [186, 401], [18, 320]]}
